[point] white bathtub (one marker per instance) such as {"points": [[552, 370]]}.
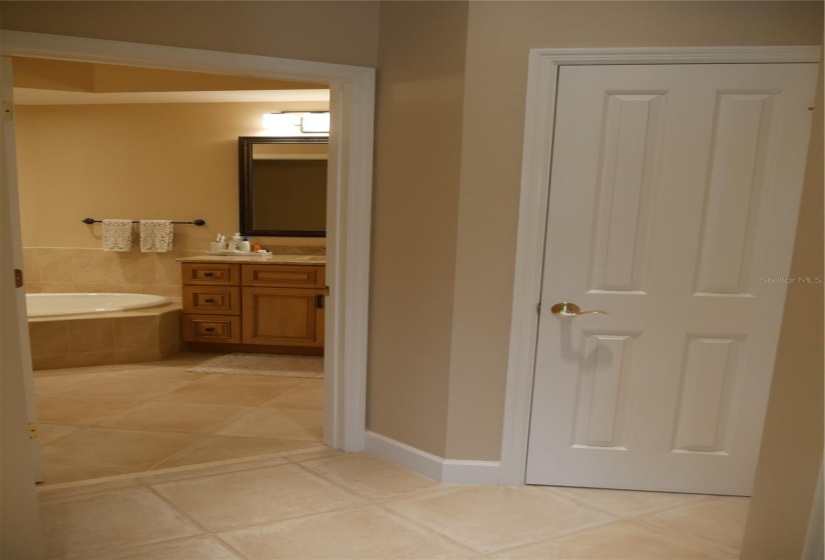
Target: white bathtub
{"points": [[48, 305]]}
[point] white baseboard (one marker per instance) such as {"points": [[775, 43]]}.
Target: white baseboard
{"points": [[449, 471]]}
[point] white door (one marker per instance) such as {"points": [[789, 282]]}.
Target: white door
{"points": [[9, 158], [673, 199]]}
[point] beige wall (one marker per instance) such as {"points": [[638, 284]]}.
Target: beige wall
{"points": [[64, 75], [499, 38], [791, 452], [323, 31], [418, 149], [154, 161]]}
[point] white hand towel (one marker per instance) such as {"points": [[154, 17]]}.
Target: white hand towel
{"points": [[155, 236], [117, 235]]}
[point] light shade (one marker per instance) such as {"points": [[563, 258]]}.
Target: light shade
{"points": [[297, 124]]}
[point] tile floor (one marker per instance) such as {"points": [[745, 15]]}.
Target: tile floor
{"points": [[150, 427], [327, 504], [114, 420]]}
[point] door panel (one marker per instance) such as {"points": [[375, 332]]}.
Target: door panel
{"points": [[674, 191]]}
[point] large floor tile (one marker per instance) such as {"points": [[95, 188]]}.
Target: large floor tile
{"points": [[80, 526], [57, 383], [624, 503], [187, 359], [105, 369], [362, 533], [615, 541], [203, 392], [202, 547], [370, 476], [720, 522], [278, 423], [127, 449], [221, 448], [131, 387], [71, 410], [489, 519], [198, 471], [234, 500], [173, 372], [58, 474], [312, 455], [175, 417], [308, 395], [47, 433], [86, 488], [234, 379]]}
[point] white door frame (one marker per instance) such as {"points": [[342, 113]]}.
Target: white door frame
{"points": [[352, 103], [535, 185]]}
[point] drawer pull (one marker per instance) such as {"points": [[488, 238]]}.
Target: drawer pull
{"points": [[210, 300], [209, 274], [209, 329]]}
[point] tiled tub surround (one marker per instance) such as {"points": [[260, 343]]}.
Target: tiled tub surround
{"points": [[70, 269], [95, 339]]}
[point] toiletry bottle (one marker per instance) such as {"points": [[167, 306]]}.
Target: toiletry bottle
{"points": [[237, 242], [245, 246]]}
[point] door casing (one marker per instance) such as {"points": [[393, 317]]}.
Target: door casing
{"points": [[535, 184], [352, 101]]}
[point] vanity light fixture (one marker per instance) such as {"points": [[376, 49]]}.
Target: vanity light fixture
{"points": [[289, 123]]}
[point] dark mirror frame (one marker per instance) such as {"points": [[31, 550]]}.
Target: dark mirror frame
{"points": [[246, 201]]}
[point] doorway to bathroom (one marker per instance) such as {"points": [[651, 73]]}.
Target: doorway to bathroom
{"points": [[342, 424]]}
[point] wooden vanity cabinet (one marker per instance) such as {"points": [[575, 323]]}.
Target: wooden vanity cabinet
{"points": [[277, 306]]}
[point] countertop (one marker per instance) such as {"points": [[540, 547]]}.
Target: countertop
{"points": [[269, 259]]}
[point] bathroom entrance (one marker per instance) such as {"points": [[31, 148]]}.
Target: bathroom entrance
{"points": [[343, 427]]}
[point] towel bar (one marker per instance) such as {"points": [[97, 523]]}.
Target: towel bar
{"points": [[91, 221]]}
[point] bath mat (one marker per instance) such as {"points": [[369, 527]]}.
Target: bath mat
{"points": [[264, 364]]}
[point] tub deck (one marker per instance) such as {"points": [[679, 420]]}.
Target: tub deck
{"points": [[105, 338]]}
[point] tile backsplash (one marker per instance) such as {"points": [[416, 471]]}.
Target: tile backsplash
{"points": [[71, 269], [67, 269]]}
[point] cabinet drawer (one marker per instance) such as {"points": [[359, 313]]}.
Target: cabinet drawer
{"points": [[202, 299], [212, 328], [290, 276], [206, 274]]}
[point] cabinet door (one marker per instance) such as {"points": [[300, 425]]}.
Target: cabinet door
{"points": [[283, 316]]}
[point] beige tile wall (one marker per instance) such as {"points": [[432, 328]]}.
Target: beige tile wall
{"points": [[66, 269]]}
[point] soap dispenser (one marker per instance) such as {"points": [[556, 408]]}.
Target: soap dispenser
{"points": [[245, 246], [237, 242]]}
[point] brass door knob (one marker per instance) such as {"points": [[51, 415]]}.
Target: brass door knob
{"points": [[566, 309]]}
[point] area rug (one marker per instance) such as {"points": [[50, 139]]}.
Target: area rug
{"points": [[264, 364]]}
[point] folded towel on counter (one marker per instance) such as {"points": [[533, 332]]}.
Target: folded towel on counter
{"points": [[117, 235], [155, 236]]}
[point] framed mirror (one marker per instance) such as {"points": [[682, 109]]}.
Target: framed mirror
{"points": [[283, 186]]}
